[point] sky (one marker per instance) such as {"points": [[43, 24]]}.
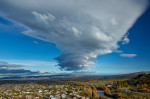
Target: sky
{"points": [[86, 37]]}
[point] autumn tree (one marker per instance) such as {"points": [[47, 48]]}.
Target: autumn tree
{"points": [[107, 91], [94, 94]]}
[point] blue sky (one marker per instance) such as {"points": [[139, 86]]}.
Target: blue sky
{"points": [[37, 55]]}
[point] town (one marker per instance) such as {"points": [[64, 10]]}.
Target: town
{"points": [[134, 88], [38, 91]]}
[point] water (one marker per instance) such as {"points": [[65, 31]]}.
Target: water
{"points": [[101, 93]]}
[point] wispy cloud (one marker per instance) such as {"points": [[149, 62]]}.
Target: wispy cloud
{"points": [[86, 72], [128, 55], [29, 62], [35, 42], [118, 51]]}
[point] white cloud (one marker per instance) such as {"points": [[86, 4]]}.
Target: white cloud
{"points": [[76, 31], [128, 55], [125, 39], [82, 29], [43, 18]]}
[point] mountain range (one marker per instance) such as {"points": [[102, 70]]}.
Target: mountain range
{"points": [[76, 76]]}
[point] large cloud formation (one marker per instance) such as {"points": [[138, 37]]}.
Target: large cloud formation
{"points": [[82, 29]]}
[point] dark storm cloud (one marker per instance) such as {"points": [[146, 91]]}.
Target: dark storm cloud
{"points": [[13, 69], [5, 64], [20, 71]]}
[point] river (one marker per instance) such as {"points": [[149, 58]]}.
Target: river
{"points": [[101, 93]]}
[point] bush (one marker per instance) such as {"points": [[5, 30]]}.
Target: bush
{"points": [[103, 97], [117, 95], [144, 90], [107, 91]]}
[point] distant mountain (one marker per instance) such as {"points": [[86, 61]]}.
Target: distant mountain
{"points": [[75, 76]]}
